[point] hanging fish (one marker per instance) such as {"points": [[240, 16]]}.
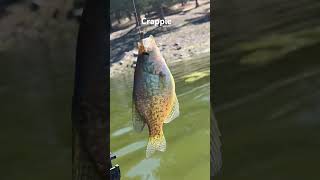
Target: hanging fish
{"points": [[154, 97]]}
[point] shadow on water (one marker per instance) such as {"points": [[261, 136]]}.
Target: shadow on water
{"points": [[269, 117], [36, 96], [267, 97], [190, 129], [267, 104]]}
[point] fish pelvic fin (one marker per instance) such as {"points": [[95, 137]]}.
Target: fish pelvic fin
{"points": [[156, 143], [138, 121]]}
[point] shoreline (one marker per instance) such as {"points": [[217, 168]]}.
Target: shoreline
{"points": [[188, 36]]}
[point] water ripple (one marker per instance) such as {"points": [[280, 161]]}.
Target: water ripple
{"points": [[122, 131], [130, 148], [145, 169]]}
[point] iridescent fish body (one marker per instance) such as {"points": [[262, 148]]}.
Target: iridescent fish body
{"points": [[154, 98]]}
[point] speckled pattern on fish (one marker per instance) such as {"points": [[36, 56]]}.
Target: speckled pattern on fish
{"points": [[154, 97]]}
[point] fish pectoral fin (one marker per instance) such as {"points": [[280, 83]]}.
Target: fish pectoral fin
{"points": [[175, 112], [137, 120]]}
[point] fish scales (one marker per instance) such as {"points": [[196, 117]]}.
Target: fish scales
{"points": [[154, 97]]}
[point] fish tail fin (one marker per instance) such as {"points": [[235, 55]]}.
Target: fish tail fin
{"points": [[156, 143]]}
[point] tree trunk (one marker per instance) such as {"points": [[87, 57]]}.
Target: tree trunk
{"points": [[129, 15], [110, 26], [138, 21], [197, 3], [182, 2], [161, 13], [118, 17]]}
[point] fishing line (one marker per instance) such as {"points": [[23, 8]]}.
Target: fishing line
{"points": [[139, 25]]}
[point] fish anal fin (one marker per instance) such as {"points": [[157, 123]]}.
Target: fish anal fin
{"points": [[175, 112], [137, 120]]}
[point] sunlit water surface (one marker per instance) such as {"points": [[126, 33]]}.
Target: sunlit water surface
{"points": [[188, 142]]}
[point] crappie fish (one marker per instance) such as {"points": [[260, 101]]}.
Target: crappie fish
{"points": [[154, 97]]}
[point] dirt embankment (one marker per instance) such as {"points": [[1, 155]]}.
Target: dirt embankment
{"points": [[187, 36]]}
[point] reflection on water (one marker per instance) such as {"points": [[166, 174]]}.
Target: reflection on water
{"points": [[122, 131], [130, 148], [187, 155], [144, 169], [269, 116], [35, 92]]}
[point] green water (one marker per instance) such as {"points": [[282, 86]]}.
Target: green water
{"points": [[188, 137], [36, 108], [269, 117]]}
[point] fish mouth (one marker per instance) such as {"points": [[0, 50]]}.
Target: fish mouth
{"points": [[143, 51], [141, 48]]}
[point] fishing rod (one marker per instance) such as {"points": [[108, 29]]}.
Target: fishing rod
{"points": [[115, 173], [89, 102]]}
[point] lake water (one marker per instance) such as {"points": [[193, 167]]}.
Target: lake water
{"points": [[269, 117], [188, 137]]}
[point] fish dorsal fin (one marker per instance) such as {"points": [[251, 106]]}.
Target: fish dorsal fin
{"points": [[152, 41], [138, 121], [175, 110]]}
